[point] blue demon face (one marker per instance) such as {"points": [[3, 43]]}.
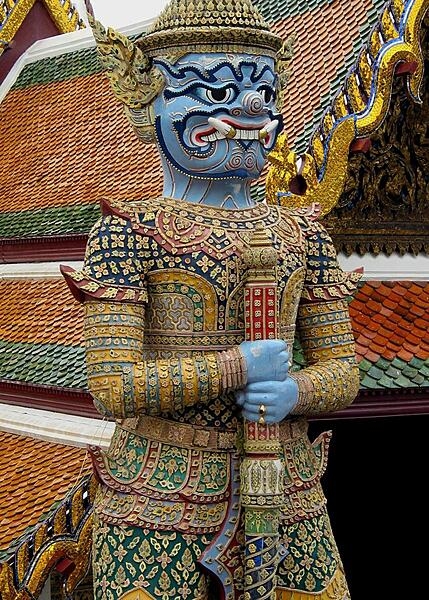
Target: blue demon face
{"points": [[216, 117]]}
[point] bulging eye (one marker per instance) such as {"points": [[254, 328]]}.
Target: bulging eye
{"points": [[216, 95], [221, 95], [268, 94]]}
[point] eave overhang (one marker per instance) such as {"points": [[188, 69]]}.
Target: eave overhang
{"points": [[62, 537]]}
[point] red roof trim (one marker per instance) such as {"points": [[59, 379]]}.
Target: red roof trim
{"points": [[368, 404], [388, 403], [62, 400], [41, 249]]}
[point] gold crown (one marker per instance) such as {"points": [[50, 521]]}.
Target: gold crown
{"points": [[209, 26]]}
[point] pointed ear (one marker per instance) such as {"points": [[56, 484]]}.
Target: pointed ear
{"points": [[135, 82]]}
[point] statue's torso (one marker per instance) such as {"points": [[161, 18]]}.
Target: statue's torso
{"points": [[194, 274], [179, 472]]}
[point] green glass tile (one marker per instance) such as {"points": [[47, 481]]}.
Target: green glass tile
{"points": [[416, 362], [80, 63], [398, 363], [59, 68], [364, 365], [375, 373], [368, 383], [382, 363], [386, 382], [38, 364], [425, 370], [66, 220], [409, 372], [420, 380], [404, 382], [274, 11], [393, 372]]}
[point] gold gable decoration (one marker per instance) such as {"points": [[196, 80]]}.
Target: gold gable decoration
{"points": [[13, 12], [66, 533], [384, 205], [357, 112]]}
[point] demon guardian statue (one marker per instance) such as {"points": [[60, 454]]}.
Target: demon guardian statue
{"points": [[189, 355]]}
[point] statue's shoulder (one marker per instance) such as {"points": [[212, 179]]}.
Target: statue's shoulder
{"points": [[129, 212], [304, 221]]}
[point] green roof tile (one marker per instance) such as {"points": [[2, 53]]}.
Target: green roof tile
{"points": [[420, 380], [409, 371], [375, 373], [63, 220], [403, 382], [383, 363], [385, 382], [416, 362], [39, 364], [372, 16], [364, 365], [59, 68], [369, 383], [282, 9]]}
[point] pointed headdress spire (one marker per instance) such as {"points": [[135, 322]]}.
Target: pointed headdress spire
{"points": [[210, 26]]}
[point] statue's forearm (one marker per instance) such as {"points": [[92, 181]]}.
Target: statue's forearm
{"points": [[123, 385], [331, 381], [326, 387]]}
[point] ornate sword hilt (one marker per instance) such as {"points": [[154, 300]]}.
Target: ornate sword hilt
{"points": [[262, 469]]}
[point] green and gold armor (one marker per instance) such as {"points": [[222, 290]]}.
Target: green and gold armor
{"points": [[163, 291]]}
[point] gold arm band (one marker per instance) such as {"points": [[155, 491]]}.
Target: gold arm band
{"points": [[326, 387]]}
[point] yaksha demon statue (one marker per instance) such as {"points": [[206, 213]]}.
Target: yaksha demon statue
{"points": [[211, 487]]}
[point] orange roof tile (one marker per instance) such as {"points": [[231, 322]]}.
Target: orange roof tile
{"points": [[323, 37], [34, 474], [386, 328], [39, 311], [69, 143]]}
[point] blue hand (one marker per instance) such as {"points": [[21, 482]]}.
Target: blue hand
{"points": [[266, 360], [278, 397]]}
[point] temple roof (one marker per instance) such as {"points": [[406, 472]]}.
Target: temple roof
{"points": [[78, 149], [328, 36], [41, 334], [46, 496], [68, 143], [391, 328], [14, 12], [35, 475]]}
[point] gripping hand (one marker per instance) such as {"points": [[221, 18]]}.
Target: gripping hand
{"points": [[266, 360], [268, 382]]}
